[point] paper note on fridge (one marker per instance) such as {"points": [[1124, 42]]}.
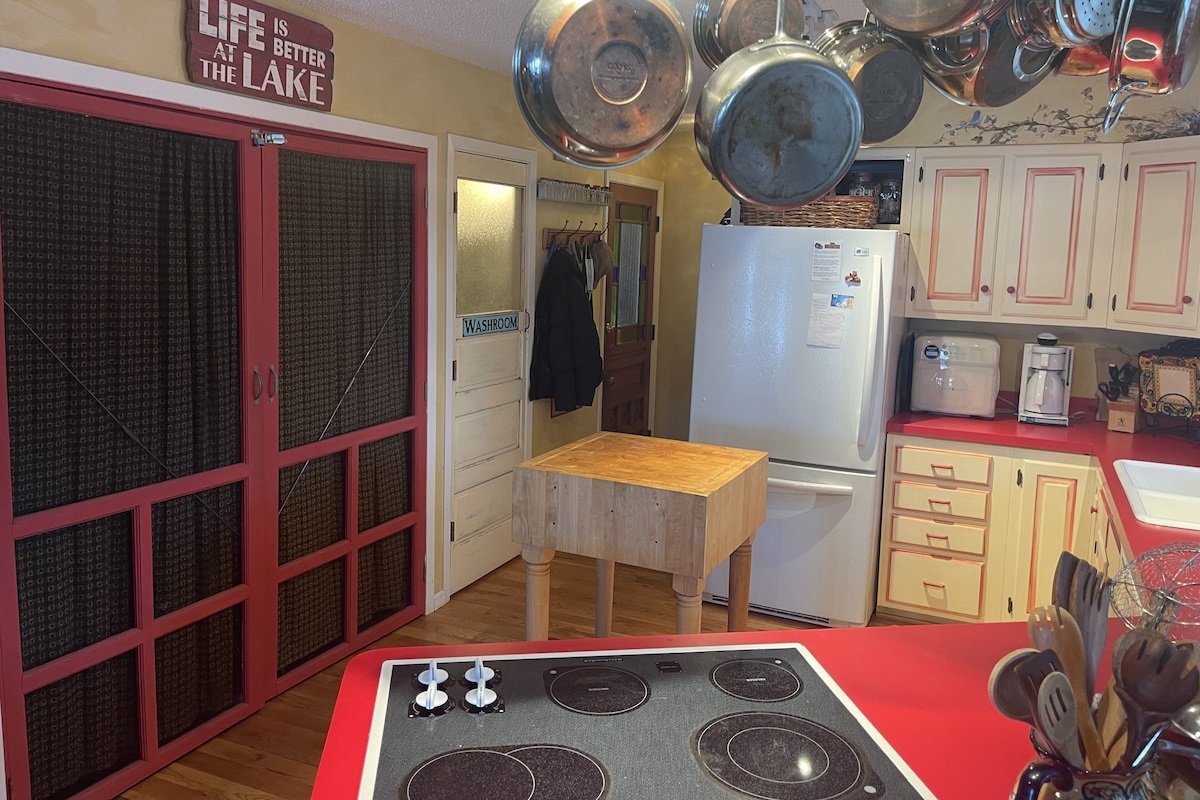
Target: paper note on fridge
{"points": [[827, 261], [827, 319]]}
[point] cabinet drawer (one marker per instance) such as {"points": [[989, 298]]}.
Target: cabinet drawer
{"points": [[944, 465], [954, 536], [935, 583], [924, 497]]}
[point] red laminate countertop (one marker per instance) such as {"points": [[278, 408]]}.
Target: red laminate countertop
{"points": [[924, 687], [1085, 437]]}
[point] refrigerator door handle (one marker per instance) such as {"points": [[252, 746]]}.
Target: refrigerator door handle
{"points": [[807, 487], [866, 413]]}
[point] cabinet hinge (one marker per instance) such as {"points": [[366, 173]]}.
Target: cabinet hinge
{"points": [[456, 202], [912, 293], [653, 332], [658, 224], [1010, 605], [454, 370], [1114, 303], [920, 174], [1101, 172], [1089, 302], [425, 392], [425, 571], [1126, 172], [452, 530], [1020, 478]]}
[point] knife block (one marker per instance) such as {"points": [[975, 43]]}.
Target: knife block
{"points": [[1124, 415]]}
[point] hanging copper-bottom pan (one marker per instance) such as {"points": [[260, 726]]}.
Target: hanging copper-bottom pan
{"points": [[722, 27], [602, 82]]}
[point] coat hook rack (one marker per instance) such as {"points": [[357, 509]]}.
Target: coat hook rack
{"points": [[567, 234]]}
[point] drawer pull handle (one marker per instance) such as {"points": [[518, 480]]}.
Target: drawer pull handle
{"points": [[943, 467], [941, 536], [935, 502], [932, 585]]}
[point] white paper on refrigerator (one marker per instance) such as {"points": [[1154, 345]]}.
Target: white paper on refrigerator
{"points": [[826, 261], [827, 319]]}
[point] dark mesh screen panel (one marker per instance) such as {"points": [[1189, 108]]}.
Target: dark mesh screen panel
{"points": [[83, 728], [75, 587], [197, 547], [198, 672], [120, 256], [311, 614], [313, 500], [384, 578], [384, 480], [345, 295]]}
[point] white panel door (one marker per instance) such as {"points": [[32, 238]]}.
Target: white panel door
{"points": [[488, 416]]}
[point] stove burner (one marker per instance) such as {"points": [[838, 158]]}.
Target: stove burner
{"points": [[759, 681], [470, 773], [781, 757], [562, 773], [515, 772], [597, 691]]}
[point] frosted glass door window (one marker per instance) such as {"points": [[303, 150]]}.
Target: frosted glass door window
{"points": [[489, 245]]}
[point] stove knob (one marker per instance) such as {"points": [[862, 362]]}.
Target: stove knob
{"points": [[432, 702], [482, 700], [480, 672], [434, 675]]}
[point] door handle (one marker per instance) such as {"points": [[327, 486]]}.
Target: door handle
{"points": [[273, 383], [808, 487], [258, 384]]}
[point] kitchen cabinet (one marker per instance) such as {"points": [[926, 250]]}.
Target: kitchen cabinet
{"points": [[954, 234], [1156, 273], [973, 532], [1014, 233]]}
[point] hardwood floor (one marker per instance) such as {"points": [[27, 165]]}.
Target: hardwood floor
{"points": [[273, 755]]}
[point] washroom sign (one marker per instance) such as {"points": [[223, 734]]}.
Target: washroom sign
{"points": [[251, 48]]}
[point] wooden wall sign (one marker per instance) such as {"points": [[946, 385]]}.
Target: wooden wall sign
{"points": [[248, 47]]}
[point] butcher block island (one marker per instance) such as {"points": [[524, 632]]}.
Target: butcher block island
{"points": [[667, 505]]}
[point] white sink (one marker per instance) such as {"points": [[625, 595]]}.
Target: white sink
{"points": [[1162, 494]]}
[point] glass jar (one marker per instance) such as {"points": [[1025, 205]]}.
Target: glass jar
{"points": [[889, 202], [862, 184]]}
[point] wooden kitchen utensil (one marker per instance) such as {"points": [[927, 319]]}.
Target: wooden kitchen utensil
{"points": [[1064, 579], [1058, 716], [1004, 686], [1156, 679], [1092, 592], [1053, 628]]}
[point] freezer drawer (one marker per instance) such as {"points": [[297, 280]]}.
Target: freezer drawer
{"points": [[815, 556]]}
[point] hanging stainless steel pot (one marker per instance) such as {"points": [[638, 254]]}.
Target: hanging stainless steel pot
{"points": [[933, 18], [885, 73], [1006, 72], [602, 82], [778, 123], [1154, 52], [722, 27]]}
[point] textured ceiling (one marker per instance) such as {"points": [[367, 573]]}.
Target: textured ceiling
{"points": [[482, 32]]}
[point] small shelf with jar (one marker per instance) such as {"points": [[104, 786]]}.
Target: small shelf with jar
{"points": [[882, 172]]}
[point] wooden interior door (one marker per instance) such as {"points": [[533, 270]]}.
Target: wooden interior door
{"points": [[628, 310]]}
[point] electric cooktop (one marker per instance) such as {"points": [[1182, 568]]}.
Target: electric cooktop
{"points": [[762, 722]]}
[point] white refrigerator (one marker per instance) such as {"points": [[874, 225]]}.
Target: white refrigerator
{"points": [[797, 339]]}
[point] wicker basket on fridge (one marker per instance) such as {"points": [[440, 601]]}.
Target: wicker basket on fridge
{"points": [[830, 211]]}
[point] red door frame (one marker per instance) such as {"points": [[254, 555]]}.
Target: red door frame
{"points": [[257, 471]]}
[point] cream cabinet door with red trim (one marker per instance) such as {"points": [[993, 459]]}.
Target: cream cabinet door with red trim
{"points": [[1055, 242], [1052, 497], [954, 233], [1156, 275]]}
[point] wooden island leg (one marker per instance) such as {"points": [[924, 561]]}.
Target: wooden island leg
{"points": [[687, 602], [537, 592], [739, 586], [604, 597]]}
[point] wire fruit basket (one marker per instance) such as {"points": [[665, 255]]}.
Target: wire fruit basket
{"points": [[1160, 589]]}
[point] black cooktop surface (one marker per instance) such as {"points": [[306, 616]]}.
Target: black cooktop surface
{"points": [[702, 723]]}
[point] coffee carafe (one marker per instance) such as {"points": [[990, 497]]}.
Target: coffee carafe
{"points": [[1046, 381]]}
